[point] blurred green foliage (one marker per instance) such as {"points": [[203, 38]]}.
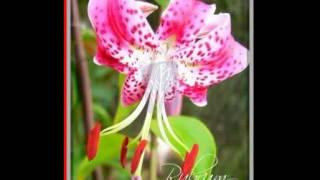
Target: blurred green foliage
{"points": [[226, 115]]}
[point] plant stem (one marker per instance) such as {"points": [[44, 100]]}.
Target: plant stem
{"points": [[82, 69], [83, 77], [154, 158]]}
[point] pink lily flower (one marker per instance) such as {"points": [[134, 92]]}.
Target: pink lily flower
{"points": [[191, 50]]}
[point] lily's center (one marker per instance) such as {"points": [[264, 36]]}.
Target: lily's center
{"points": [[163, 73]]}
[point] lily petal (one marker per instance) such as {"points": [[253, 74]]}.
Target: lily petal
{"points": [[215, 57], [134, 87], [121, 28], [103, 58], [226, 62], [212, 42], [183, 19], [198, 95], [146, 8], [213, 22]]}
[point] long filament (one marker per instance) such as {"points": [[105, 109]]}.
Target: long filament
{"points": [[160, 125], [169, 128], [133, 116]]}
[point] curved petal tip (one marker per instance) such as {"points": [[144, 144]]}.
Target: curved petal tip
{"points": [[200, 103]]}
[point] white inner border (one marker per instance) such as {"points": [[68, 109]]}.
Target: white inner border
{"points": [[251, 124], [251, 94]]}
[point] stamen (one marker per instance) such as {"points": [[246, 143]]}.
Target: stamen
{"points": [[93, 141], [148, 118], [124, 150], [168, 126], [159, 101], [137, 155], [189, 161], [160, 124], [146, 127]]}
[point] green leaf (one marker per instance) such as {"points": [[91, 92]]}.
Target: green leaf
{"points": [[192, 131], [102, 114], [108, 154], [122, 111], [163, 3]]}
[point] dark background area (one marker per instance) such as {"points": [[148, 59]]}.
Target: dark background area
{"points": [[227, 112]]}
